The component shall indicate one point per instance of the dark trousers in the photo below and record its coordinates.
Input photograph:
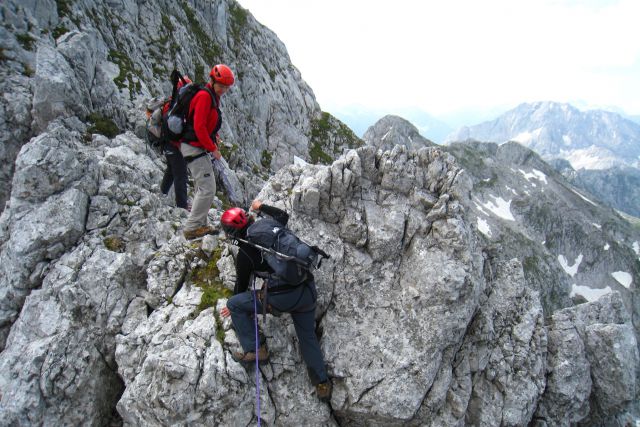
(300, 303)
(175, 174)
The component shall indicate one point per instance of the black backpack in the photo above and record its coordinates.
(176, 123)
(290, 258)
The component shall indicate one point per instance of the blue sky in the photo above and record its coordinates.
(444, 57)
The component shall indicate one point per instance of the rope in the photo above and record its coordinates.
(255, 317)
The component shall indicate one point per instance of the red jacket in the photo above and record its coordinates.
(205, 119)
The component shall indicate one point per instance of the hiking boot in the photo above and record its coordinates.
(323, 391)
(250, 357)
(199, 232)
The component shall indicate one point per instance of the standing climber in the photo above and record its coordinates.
(199, 142)
(297, 299)
(176, 171)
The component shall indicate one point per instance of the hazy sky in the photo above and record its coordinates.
(447, 55)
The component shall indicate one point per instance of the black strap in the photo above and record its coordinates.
(175, 77)
(190, 159)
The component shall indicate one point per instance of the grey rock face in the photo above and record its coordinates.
(66, 59)
(46, 215)
(392, 130)
(81, 225)
(55, 93)
(617, 187)
(419, 325)
(592, 364)
(500, 370)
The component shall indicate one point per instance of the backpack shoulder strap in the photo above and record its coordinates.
(214, 104)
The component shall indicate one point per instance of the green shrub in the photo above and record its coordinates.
(265, 160)
(59, 30)
(64, 7)
(238, 20)
(26, 40)
(210, 51)
(114, 243)
(102, 125)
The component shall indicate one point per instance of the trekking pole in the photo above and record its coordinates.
(255, 317)
(274, 252)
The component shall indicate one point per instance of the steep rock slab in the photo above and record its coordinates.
(46, 215)
(177, 366)
(498, 374)
(82, 223)
(593, 364)
(404, 264)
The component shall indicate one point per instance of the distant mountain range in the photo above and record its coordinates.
(594, 139)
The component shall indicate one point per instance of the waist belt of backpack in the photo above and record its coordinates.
(263, 296)
(190, 159)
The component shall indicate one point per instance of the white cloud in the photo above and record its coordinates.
(443, 56)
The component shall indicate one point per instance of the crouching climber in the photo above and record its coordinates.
(282, 294)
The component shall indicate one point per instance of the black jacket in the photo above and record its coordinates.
(249, 258)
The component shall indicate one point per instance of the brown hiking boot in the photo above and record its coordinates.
(199, 232)
(323, 391)
(250, 356)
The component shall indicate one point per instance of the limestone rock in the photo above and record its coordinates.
(393, 130)
(66, 288)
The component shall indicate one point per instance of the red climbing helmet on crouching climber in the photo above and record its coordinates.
(233, 220)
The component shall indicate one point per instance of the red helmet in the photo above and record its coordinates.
(233, 220)
(222, 74)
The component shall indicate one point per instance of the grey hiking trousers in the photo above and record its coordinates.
(204, 183)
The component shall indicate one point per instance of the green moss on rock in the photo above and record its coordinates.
(208, 279)
(114, 243)
(102, 125)
(328, 137)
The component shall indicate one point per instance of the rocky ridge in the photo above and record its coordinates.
(117, 318)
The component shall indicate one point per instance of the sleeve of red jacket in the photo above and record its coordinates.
(201, 113)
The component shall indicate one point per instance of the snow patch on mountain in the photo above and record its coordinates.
(526, 138)
(499, 207)
(584, 198)
(593, 139)
(534, 174)
(571, 270)
(590, 294)
(483, 227)
(624, 278)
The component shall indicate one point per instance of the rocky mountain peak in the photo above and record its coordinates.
(391, 130)
(592, 139)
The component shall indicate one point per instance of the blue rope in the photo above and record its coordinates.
(255, 312)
